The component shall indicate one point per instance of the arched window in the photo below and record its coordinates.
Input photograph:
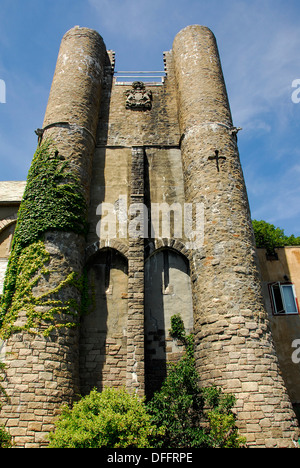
(103, 346)
(6, 236)
(167, 292)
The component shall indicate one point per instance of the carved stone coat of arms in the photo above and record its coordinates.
(138, 97)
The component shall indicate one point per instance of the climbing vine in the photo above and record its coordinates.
(52, 198)
(192, 416)
(52, 201)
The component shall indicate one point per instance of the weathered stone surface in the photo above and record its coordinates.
(70, 121)
(181, 149)
(205, 124)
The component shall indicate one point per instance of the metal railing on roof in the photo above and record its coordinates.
(145, 76)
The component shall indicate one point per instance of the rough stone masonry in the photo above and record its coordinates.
(172, 144)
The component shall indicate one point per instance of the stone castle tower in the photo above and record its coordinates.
(169, 231)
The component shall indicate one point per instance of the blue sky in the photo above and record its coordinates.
(259, 44)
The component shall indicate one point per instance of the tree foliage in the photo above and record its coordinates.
(270, 237)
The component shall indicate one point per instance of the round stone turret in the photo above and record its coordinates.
(231, 325)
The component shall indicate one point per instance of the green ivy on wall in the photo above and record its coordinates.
(52, 201)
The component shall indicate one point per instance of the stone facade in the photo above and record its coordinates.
(169, 232)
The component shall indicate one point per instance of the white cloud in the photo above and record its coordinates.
(260, 58)
(258, 40)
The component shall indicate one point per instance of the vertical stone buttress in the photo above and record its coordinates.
(135, 380)
(234, 347)
(42, 372)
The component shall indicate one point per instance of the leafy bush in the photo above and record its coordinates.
(223, 432)
(180, 415)
(111, 419)
(5, 438)
(194, 417)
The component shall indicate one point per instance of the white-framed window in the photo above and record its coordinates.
(283, 298)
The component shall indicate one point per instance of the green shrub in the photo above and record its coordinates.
(5, 438)
(180, 415)
(222, 431)
(111, 419)
(193, 417)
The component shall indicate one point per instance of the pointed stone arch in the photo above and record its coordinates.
(103, 331)
(115, 244)
(168, 292)
(4, 223)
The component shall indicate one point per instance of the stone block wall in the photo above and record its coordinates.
(172, 142)
(52, 361)
(39, 377)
